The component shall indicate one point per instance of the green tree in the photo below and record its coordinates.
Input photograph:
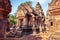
(12, 19)
(28, 2)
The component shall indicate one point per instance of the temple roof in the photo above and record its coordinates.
(54, 7)
(54, 4)
(38, 6)
(38, 9)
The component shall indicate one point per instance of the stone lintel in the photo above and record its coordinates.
(54, 11)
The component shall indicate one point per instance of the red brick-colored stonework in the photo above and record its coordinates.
(5, 9)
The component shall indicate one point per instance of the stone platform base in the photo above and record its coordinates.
(29, 37)
(10, 39)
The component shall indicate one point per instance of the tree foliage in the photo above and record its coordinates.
(28, 2)
(12, 19)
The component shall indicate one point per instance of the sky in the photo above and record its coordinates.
(16, 3)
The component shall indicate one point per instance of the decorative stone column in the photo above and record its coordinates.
(5, 9)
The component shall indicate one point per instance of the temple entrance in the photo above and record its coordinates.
(27, 31)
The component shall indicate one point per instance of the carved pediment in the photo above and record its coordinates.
(54, 2)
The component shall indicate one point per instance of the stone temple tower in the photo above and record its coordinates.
(53, 14)
(30, 19)
(39, 18)
(53, 19)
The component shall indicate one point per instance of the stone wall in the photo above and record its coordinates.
(5, 9)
